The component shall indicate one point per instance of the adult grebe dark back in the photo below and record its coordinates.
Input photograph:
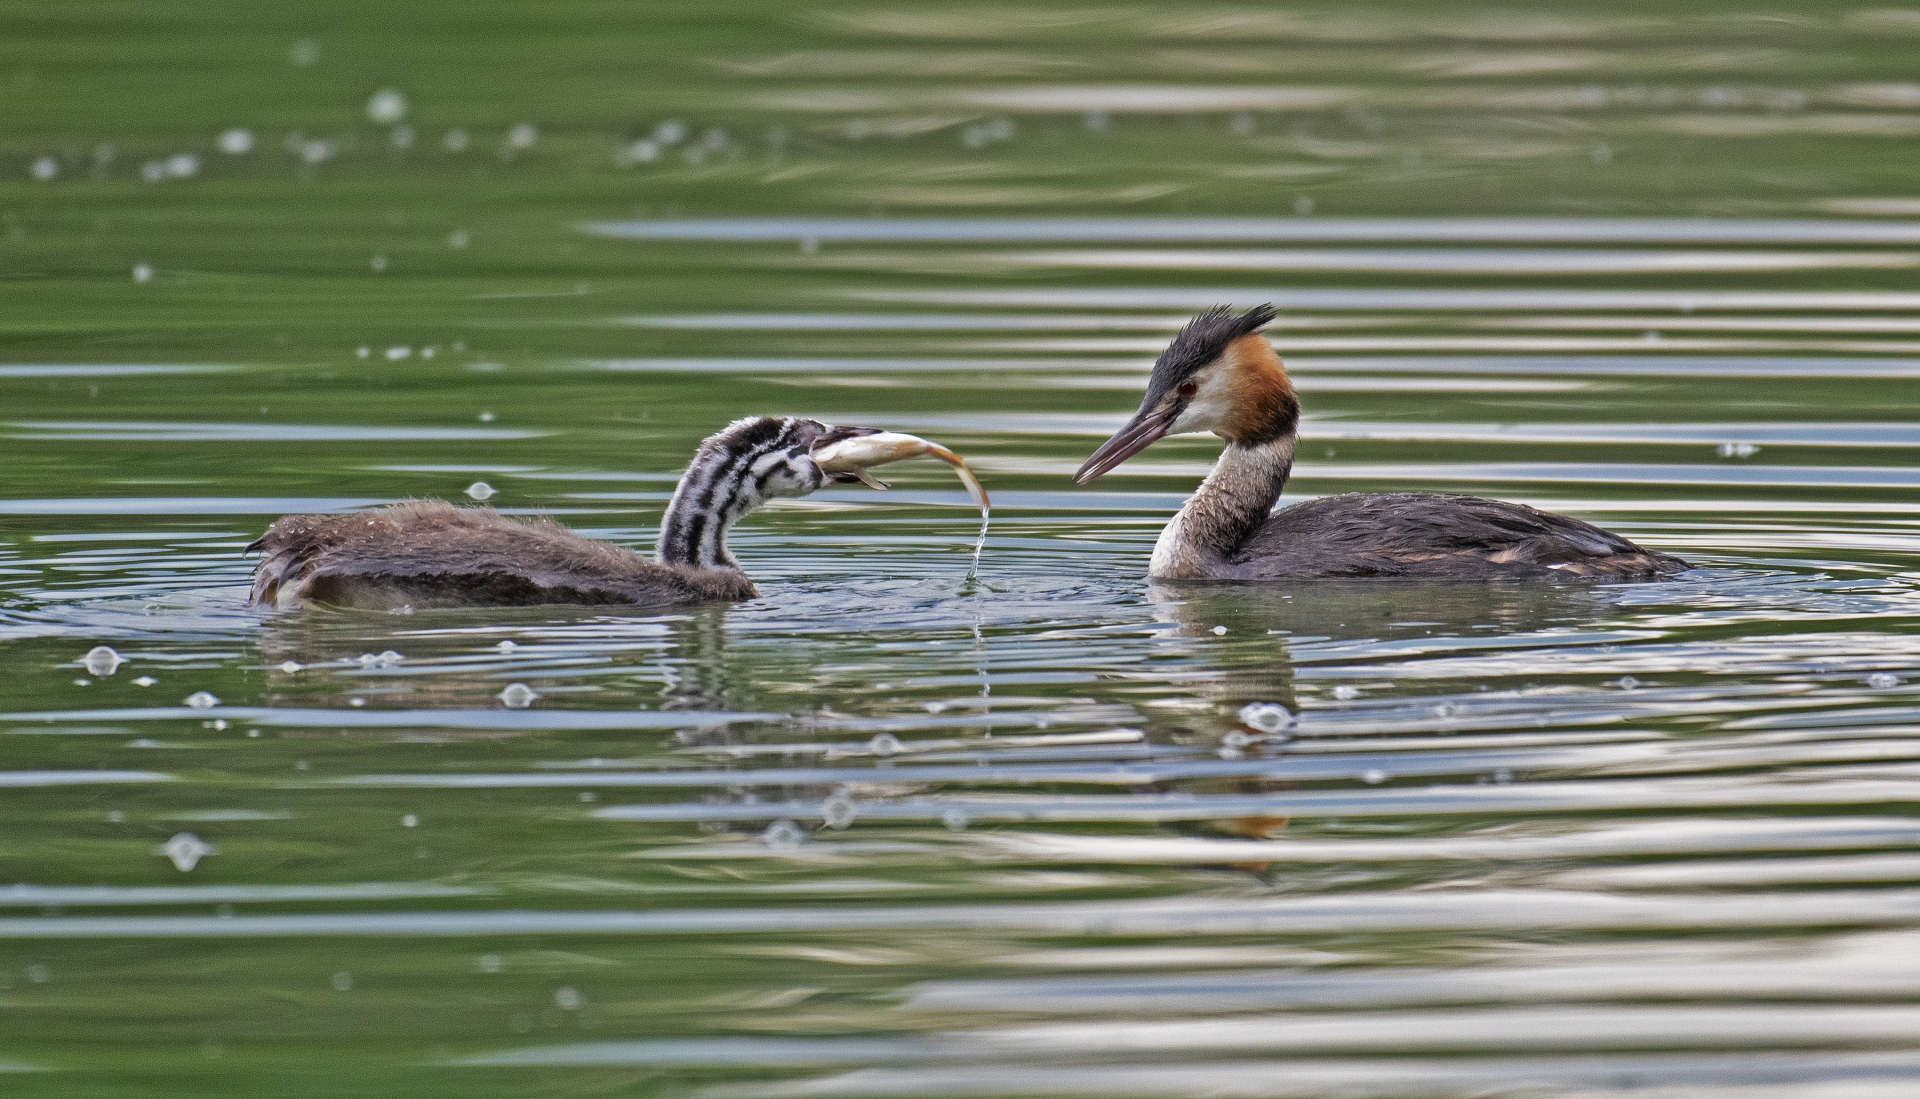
(1221, 375)
(426, 553)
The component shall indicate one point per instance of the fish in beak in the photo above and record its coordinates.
(847, 454)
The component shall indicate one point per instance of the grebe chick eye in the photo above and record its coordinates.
(427, 553)
(1221, 375)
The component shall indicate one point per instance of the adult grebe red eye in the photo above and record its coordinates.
(1189, 389)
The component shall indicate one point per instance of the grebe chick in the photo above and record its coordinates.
(1221, 375)
(430, 554)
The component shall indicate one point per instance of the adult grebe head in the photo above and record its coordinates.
(1220, 375)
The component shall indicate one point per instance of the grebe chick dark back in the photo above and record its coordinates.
(428, 554)
(1221, 375)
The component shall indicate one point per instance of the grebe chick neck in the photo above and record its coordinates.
(734, 472)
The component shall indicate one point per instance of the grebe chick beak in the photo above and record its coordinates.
(848, 457)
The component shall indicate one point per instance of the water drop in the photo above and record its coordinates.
(389, 657)
(398, 352)
(142, 272)
(480, 490)
(459, 238)
(1373, 776)
(290, 667)
(356, 703)
(837, 811)
(485, 417)
(1882, 681)
(640, 152)
(567, 998)
(518, 696)
(315, 152)
(342, 982)
(183, 165)
(401, 137)
(186, 850)
(362, 351)
(1219, 631)
(236, 142)
(387, 107)
(884, 744)
(218, 725)
(203, 700)
(409, 821)
(455, 141)
(45, 168)
(1266, 717)
(936, 707)
(304, 52)
(145, 681)
(102, 660)
(506, 646)
(783, 835)
(1628, 683)
(1346, 693)
(379, 263)
(670, 133)
(522, 136)
(153, 171)
(955, 820)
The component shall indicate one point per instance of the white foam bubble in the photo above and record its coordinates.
(518, 696)
(102, 660)
(45, 168)
(203, 700)
(236, 142)
(387, 106)
(186, 850)
(480, 490)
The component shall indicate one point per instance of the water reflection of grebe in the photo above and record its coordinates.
(1221, 375)
(427, 553)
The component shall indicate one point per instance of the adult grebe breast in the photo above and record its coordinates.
(1221, 375)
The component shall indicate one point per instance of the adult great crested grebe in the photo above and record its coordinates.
(1220, 375)
(429, 554)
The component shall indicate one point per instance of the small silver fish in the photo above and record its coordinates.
(854, 457)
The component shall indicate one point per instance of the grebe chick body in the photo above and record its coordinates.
(430, 554)
(1221, 375)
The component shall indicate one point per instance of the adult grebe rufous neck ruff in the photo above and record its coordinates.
(1221, 375)
(429, 554)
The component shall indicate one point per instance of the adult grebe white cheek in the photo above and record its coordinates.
(1210, 407)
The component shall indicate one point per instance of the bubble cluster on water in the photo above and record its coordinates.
(1266, 717)
(783, 835)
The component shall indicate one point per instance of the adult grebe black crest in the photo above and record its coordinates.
(427, 553)
(1221, 375)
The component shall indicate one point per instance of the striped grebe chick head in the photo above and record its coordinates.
(735, 471)
(1220, 375)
